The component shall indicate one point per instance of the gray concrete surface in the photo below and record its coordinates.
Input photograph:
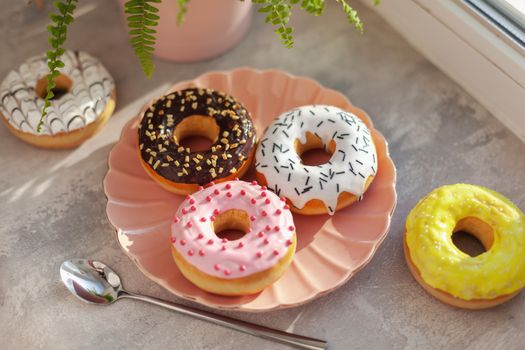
(52, 206)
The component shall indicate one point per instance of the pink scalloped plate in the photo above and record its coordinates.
(330, 250)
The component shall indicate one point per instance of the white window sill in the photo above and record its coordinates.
(481, 60)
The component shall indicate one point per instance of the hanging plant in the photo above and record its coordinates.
(143, 18)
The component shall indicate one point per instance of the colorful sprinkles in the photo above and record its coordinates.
(266, 241)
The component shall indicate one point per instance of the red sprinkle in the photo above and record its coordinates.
(259, 254)
(253, 201)
(266, 241)
(211, 183)
(189, 224)
(228, 186)
(254, 182)
(275, 252)
(263, 194)
(288, 242)
(283, 199)
(212, 218)
(228, 194)
(243, 192)
(223, 247)
(193, 208)
(216, 192)
(203, 219)
(267, 201)
(216, 212)
(253, 218)
(208, 198)
(240, 245)
(192, 201)
(188, 196)
(276, 228)
(278, 212)
(173, 239)
(224, 240)
(260, 234)
(190, 252)
(242, 268)
(200, 236)
(286, 206)
(217, 267)
(291, 228)
(210, 241)
(227, 272)
(201, 252)
(268, 228)
(263, 188)
(184, 211)
(200, 188)
(176, 219)
(264, 213)
(182, 242)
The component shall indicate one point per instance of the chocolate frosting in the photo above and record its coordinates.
(167, 158)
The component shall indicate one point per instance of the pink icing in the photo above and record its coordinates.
(270, 235)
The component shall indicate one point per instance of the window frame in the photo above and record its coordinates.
(496, 20)
(479, 58)
(510, 9)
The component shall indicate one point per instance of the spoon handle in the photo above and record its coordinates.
(295, 340)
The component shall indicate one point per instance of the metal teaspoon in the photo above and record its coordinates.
(95, 283)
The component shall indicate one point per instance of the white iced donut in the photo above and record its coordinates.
(85, 100)
(324, 188)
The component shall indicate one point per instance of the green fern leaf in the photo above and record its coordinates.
(351, 15)
(183, 8)
(315, 7)
(278, 13)
(57, 37)
(142, 19)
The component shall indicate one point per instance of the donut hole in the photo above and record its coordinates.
(63, 86)
(232, 224)
(196, 132)
(314, 151)
(473, 236)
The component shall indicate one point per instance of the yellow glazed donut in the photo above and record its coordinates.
(449, 274)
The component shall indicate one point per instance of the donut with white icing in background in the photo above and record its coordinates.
(87, 102)
(233, 267)
(324, 188)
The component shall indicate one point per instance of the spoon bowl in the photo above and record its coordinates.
(91, 281)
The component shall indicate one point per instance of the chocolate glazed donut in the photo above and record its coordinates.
(191, 112)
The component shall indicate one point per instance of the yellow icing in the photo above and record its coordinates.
(429, 228)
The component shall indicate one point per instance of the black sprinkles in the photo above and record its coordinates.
(352, 163)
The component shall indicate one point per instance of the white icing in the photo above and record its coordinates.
(352, 163)
(90, 92)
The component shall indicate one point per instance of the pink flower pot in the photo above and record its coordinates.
(210, 28)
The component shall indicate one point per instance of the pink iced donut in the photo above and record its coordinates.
(233, 267)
